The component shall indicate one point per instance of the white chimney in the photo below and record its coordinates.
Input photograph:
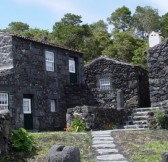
(154, 38)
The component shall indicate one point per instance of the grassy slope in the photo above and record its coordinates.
(45, 140)
(142, 146)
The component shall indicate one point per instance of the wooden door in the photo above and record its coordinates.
(28, 116)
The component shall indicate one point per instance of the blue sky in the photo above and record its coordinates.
(44, 13)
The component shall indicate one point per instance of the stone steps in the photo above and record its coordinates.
(106, 150)
(139, 118)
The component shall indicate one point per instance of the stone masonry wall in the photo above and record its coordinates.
(79, 95)
(158, 74)
(127, 79)
(6, 61)
(29, 77)
(98, 118)
(4, 132)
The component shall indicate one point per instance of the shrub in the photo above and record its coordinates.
(21, 141)
(159, 117)
(78, 125)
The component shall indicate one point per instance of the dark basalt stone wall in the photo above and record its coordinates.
(4, 133)
(98, 118)
(158, 74)
(130, 80)
(129, 86)
(6, 60)
(28, 76)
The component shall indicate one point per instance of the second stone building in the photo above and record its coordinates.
(116, 84)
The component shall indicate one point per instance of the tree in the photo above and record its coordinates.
(70, 32)
(145, 21)
(97, 41)
(38, 34)
(17, 27)
(71, 19)
(139, 57)
(126, 47)
(121, 19)
(164, 25)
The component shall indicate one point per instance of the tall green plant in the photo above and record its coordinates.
(78, 125)
(159, 117)
(21, 141)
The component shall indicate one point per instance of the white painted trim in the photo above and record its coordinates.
(29, 101)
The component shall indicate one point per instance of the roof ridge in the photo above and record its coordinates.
(42, 42)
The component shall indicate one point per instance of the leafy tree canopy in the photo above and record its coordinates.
(17, 27)
(126, 41)
(121, 19)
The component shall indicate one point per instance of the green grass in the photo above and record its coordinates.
(143, 146)
(45, 140)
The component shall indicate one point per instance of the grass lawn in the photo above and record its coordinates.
(46, 140)
(142, 146)
(138, 146)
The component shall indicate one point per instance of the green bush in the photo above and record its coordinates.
(159, 117)
(21, 141)
(78, 125)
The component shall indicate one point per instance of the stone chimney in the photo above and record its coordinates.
(154, 38)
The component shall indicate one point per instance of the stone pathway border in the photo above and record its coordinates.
(106, 150)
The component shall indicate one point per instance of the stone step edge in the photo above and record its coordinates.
(145, 109)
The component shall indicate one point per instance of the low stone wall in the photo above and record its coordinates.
(98, 118)
(4, 132)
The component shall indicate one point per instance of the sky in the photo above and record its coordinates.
(44, 13)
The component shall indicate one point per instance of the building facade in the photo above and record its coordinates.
(116, 84)
(32, 79)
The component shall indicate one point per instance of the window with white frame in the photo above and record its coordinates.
(3, 101)
(105, 84)
(26, 106)
(71, 65)
(49, 59)
(53, 105)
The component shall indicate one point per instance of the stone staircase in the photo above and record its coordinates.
(138, 119)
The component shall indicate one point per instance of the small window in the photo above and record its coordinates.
(53, 106)
(71, 65)
(3, 101)
(26, 106)
(49, 58)
(105, 84)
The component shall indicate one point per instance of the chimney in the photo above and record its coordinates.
(154, 38)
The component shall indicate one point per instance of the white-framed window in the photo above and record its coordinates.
(53, 105)
(71, 65)
(49, 59)
(27, 106)
(105, 84)
(3, 101)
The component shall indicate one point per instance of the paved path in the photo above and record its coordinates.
(106, 150)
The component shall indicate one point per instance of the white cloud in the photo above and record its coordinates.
(59, 8)
(161, 5)
(51, 5)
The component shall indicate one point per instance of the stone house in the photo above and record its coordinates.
(158, 74)
(33, 75)
(116, 84)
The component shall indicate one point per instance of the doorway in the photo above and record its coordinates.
(27, 111)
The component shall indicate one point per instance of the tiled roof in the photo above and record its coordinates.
(114, 61)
